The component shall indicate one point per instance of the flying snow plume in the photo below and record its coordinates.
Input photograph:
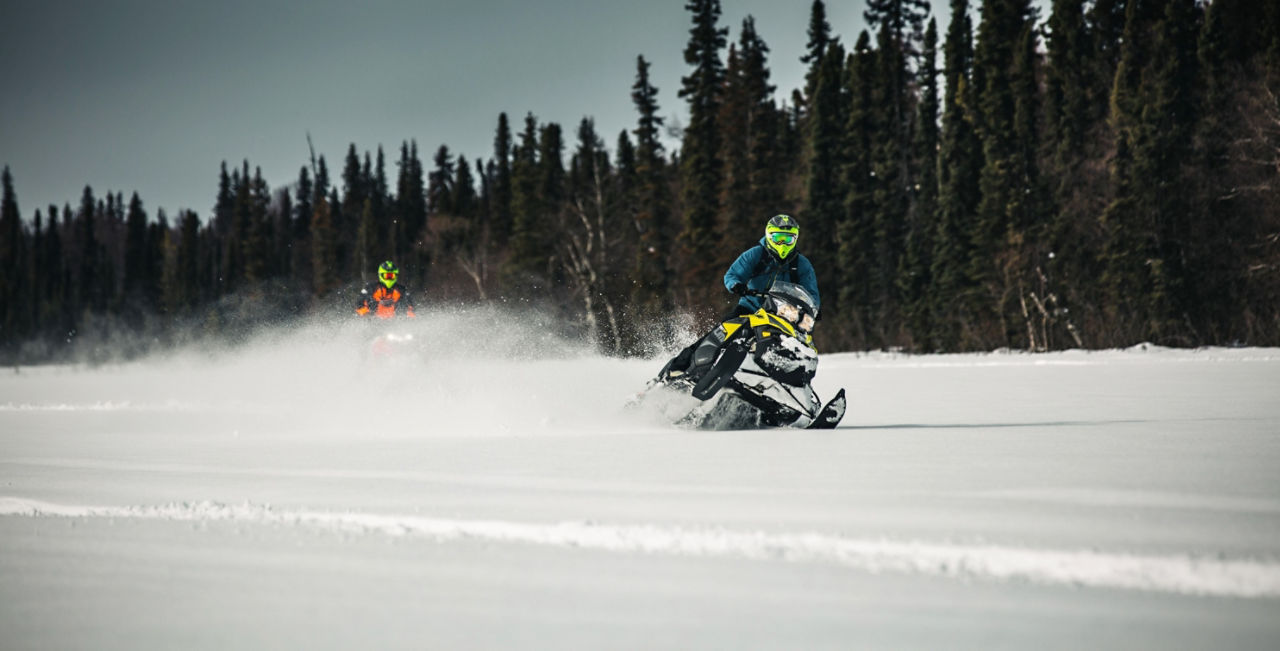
(456, 372)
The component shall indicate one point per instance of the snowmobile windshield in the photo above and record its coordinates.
(793, 294)
(793, 303)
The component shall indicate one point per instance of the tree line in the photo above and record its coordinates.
(1097, 177)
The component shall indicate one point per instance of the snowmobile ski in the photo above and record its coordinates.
(831, 413)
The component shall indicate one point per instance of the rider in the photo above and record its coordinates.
(388, 300)
(774, 258)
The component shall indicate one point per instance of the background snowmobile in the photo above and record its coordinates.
(755, 370)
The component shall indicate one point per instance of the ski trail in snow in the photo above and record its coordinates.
(1177, 574)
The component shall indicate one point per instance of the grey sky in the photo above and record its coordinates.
(153, 96)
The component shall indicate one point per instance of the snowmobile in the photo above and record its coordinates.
(752, 371)
(392, 345)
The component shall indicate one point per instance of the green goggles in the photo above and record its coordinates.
(784, 239)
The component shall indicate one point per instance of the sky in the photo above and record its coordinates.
(152, 96)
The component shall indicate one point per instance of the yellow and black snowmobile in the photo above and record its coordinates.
(753, 371)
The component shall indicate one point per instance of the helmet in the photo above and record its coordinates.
(780, 235)
(387, 273)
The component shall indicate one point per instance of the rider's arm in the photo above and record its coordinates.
(740, 270)
(362, 305)
(407, 300)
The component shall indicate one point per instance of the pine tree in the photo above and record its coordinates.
(1066, 95)
(369, 251)
(53, 282)
(753, 182)
(465, 201)
(1002, 78)
(466, 204)
(411, 201)
(701, 166)
(551, 176)
(137, 265)
(259, 236)
(819, 40)
(826, 146)
(474, 252)
(223, 230)
(501, 190)
(300, 251)
(899, 25)
(523, 269)
(440, 183)
(354, 190)
(653, 249)
(854, 229)
(90, 283)
(324, 236)
(735, 202)
(1152, 111)
(11, 266)
(959, 164)
(587, 236)
(914, 273)
(54, 313)
(1075, 137)
(902, 19)
(188, 272)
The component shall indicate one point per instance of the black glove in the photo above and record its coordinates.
(739, 289)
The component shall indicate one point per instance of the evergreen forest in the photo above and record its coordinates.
(1100, 176)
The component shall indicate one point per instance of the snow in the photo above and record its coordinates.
(493, 492)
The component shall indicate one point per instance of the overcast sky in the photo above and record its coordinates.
(152, 96)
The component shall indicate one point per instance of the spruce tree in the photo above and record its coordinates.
(369, 251)
(300, 220)
(411, 209)
(587, 237)
(652, 218)
(735, 203)
(90, 285)
(137, 265)
(259, 236)
(188, 273)
(465, 201)
(914, 278)
(753, 181)
(440, 183)
(898, 25)
(701, 166)
(324, 236)
(1152, 111)
(959, 165)
(1002, 78)
(11, 263)
(551, 178)
(854, 233)
(524, 266)
(54, 315)
(354, 190)
(820, 39)
(501, 190)
(825, 144)
(1069, 119)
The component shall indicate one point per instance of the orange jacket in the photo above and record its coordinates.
(384, 303)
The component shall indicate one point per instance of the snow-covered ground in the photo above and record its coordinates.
(492, 492)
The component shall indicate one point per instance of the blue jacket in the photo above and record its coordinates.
(757, 269)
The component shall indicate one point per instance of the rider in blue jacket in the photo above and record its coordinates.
(774, 258)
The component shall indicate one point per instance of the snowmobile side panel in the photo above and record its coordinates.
(720, 374)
